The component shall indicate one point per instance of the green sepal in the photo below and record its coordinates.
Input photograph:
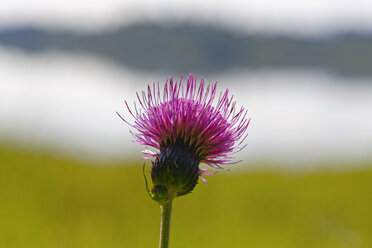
(146, 183)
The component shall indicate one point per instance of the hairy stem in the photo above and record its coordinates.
(166, 212)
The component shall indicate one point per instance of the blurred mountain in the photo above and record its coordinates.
(186, 48)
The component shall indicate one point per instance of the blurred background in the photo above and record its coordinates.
(71, 177)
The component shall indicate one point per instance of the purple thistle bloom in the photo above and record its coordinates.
(188, 129)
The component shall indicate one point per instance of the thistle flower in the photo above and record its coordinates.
(187, 129)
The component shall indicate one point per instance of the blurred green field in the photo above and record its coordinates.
(51, 202)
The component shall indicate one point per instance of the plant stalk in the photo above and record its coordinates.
(166, 212)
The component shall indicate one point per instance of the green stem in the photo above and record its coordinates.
(166, 212)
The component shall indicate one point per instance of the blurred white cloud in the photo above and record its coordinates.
(299, 17)
(68, 102)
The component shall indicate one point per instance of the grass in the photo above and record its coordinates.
(51, 202)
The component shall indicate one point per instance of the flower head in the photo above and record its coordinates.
(187, 128)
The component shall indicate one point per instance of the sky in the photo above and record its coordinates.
(303, 17)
